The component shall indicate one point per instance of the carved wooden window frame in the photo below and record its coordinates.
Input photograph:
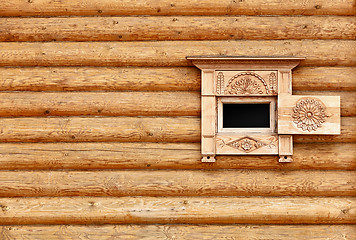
(249, 79)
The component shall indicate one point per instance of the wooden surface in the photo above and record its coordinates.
(180, 232)
(169, 53)
(122, 129)
(176, 28)
(153, 79)
(22, 156)
(125, 103)
(230, 144)
(129, 129)
(100, 104)
(177, 183)
(324, 78)
(94, 109)
(348, 133)
(174, 7)
(188, 210)
(324, 114)
(348, 99)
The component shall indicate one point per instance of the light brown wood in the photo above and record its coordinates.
(227, 81)
(123, 103)
(348, 99)
(324, 78)
(176, 28)
(99, 79)
(101, 129)
(100, 103)
(180, 232)
(308, 114)
(208, 116)
(22, 156)
(348, 133)
(246, 144)
(153, 79)
(208, 128)
(285, 147)
(202, 210)
(177, 183)
(129, 129)
(169, 53)
(173, 7)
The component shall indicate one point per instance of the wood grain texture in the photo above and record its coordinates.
(17, 104)
(100, 104)
(14, 156)
(348, 99)
(174, 7)
(291, 123)
(129, 129)
(177, 183)
(176, 28)
(187, 210)
(348, 133)
(180, 232)
(171, 53)
(152, 79)
(100, 129)
(324, 78)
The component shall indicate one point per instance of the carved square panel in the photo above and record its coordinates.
(246, 83)
(308, 114)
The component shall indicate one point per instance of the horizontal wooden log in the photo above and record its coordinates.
(153, 79)
(180, 232)
(334, 156)
(129, 129)
(177, 183)
(187, 210)
(176, 28)
(174, 7)
(171, 53)
(101, 103)
(124, 103)
(122, 129)
(323, 78)
(110, 79)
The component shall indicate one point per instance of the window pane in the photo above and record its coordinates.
(246, 115)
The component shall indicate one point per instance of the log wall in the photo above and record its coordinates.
(100, 121)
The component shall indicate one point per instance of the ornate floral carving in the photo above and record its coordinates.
(220, 83)
(309, 114)
(246, 83)
(246, 144)
(273, 83)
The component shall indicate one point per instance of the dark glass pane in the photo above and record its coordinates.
(246, 116)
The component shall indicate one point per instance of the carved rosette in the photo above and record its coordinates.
(309, 114)
(246, 144)
(245, 84)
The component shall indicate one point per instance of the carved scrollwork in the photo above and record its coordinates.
(309, 114)
(246, 83)
(246, 144)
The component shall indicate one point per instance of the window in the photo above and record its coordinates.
(247, 114)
